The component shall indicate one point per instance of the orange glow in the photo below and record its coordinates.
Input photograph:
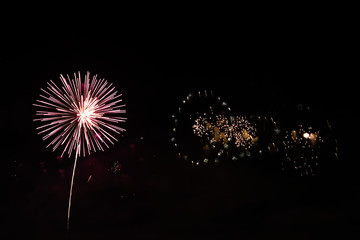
(245, 134)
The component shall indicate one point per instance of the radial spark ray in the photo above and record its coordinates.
(80, 116)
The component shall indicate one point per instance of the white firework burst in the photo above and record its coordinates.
(80, 116)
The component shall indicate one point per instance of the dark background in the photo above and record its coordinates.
(264, 70)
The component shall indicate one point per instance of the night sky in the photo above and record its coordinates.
(264, 71)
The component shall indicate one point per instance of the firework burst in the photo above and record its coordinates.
(243, 131)
(79, 116)
(200, 114)
(301, 147)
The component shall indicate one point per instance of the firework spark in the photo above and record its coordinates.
(79, 116)
(244, 132)
(225, 129)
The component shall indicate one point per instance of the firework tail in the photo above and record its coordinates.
(70, 194)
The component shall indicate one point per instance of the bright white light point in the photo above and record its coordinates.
(306, 135)
(86, 115)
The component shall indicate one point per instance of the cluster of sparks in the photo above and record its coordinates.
(223, 135)
(202, 127)
(301, 150)
(224, 129)
(243, 132)
(81, 116)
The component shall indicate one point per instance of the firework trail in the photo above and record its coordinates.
(79, 116)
